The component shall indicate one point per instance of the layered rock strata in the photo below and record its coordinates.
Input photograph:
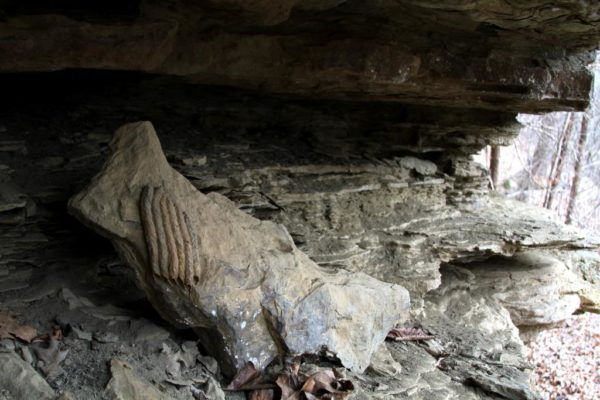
(395, 208)
(468, 53)
(356, 135)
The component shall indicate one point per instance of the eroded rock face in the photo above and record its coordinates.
(472, 317)
(535, 288)
(476, 341)
(241, 282)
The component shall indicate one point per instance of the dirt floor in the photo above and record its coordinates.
(94, 332)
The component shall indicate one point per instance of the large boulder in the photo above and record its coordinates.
(241, 283)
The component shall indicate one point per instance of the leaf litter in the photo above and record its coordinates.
(11, 329)
(292, 384)
(400, 334)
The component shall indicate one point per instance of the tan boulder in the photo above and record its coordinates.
(240, 282)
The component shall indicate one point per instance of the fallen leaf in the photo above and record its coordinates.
(245, 375)
(10, 328)
(262, 394)
(326, 385)
(25, 332)
(290, 382)
(290, 390)
(408, 334)
(320, 381)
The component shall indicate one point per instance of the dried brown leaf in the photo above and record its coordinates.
(408, 334)
(325, 384)
(57, 333)
(294, 368)
(245, 375)
(289, 389)
(290, 383)
(10, 328)
(320, 381)
(25, 333)
(296, 379)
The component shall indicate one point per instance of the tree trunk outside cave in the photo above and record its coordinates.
(559, 161)
(494, 166)
(577, 169)
(540, 164)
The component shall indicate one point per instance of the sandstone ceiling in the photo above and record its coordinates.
(499, 54)
(351, 123)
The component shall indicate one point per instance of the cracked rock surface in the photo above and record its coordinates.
(240, 281)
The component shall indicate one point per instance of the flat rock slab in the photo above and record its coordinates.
(535, 288)
(21, 380)
(126, 384)
(240, 282)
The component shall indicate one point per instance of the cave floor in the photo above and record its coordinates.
(100, 316)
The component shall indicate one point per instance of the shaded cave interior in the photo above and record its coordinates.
(333, 158)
